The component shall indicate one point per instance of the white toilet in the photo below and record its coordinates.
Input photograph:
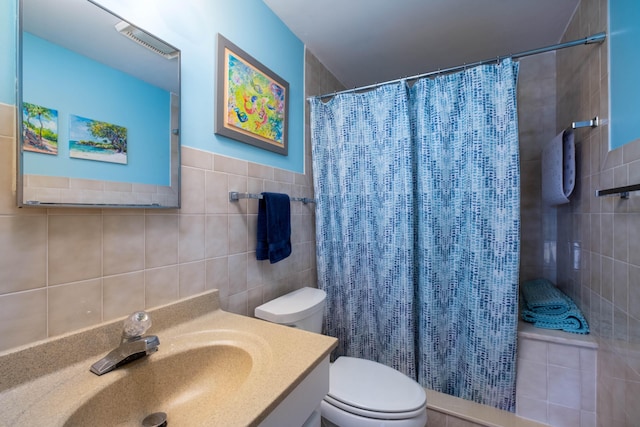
(362, 393)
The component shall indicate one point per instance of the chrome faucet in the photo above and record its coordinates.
(133, 345)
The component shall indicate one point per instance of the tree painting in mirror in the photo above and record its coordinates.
(40, 127)
(94, 140)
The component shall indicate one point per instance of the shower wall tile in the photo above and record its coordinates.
(607, 289)
(536, 124)
(64, 269)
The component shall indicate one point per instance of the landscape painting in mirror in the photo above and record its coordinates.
(95, 140)
(39, 129)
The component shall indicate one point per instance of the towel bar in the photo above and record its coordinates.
(593, 123)
(623, 191)
(234, 196)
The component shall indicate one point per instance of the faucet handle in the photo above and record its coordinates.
(136, 325)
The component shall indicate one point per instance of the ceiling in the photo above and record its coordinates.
(87, 29)
(371, 41)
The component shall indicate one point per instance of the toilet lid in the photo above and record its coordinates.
(292, 307)
(373, 387)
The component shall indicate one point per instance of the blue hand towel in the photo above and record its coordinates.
(274, 227)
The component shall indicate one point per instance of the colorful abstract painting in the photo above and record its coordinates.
(94, 140)
(39, 129)
(254, 100)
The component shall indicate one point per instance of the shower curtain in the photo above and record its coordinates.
(417, 228)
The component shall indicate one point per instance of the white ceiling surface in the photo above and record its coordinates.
(89, 30)
(364, 42)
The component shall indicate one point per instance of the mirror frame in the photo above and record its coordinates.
(95, 193)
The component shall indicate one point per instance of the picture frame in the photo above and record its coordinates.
(96, 140)
(39, 129)
(252, 104)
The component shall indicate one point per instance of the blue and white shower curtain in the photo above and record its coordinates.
(362, 154)
(417, 228)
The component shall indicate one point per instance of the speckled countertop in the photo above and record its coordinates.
(45, 383)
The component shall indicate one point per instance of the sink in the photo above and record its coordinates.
(212, 368)
(179, 383)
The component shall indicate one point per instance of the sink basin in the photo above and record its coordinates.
(212, 368)
(179, 383)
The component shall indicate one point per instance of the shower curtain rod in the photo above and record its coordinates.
(595, 38)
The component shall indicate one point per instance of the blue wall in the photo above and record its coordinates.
(8, 52)
(60, 79)
(624, 62)
(192, 27)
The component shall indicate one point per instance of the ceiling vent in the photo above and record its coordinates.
(146, 40)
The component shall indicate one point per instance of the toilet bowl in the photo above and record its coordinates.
(362, 393)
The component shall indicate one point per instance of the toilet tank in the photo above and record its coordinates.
(302, 309)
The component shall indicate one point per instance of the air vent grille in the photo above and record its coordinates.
(146, 40)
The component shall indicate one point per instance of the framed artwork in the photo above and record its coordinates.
(93, 140)
(252, 103)
(40, 129)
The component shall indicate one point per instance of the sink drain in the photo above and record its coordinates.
(157, 419)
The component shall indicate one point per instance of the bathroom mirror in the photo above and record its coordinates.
(98, 109)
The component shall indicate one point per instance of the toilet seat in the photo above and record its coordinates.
(373, 390)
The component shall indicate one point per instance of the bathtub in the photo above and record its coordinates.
(444, 410)
(556, 386)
